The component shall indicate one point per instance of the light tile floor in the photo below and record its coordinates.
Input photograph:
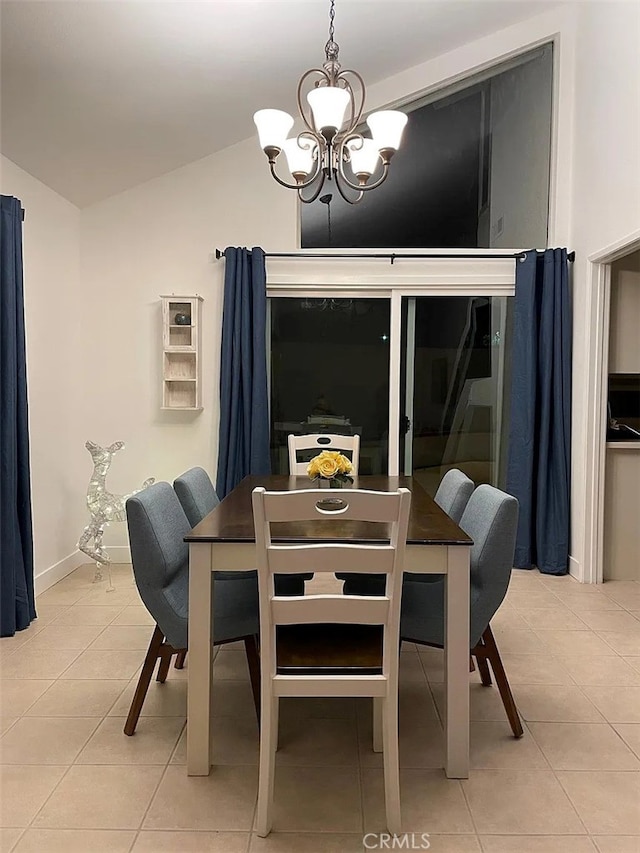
(70, 779)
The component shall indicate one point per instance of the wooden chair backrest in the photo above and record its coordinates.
(320, 442)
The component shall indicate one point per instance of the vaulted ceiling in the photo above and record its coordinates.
(100, 96)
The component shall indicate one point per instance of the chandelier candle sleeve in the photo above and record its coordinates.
(331, 146)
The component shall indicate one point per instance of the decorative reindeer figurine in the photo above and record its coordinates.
(103, 506)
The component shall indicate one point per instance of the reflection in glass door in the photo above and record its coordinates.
(330, 373)
(454, 389)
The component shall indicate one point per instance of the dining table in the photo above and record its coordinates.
(225, 540)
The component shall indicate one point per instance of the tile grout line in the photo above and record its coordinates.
(152, 798)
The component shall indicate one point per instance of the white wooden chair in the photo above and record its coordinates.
(320, 442)
(330, 645)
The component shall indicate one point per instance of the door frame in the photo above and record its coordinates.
(597, 346)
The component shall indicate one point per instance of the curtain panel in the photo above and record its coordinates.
(539, 461)
(243, 446)
(17, 603)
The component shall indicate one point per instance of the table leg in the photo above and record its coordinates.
(456, 663)
(199, 666)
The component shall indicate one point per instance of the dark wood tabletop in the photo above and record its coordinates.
(232, 519)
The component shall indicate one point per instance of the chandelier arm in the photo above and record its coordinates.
(381, 179)
(315, 194)
(338, 183)
(356, 116)
(305, 134)
(285, 183)
(322, 73)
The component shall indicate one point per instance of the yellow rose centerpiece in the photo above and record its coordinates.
(332, 466)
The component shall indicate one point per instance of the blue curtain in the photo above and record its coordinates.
(17, 604)
(243, 446)
(538, 471)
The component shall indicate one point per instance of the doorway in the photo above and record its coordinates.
(595, 456)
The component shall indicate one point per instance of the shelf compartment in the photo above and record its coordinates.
(180, 394)
(180, 366)
(180, 336)
(178, 307)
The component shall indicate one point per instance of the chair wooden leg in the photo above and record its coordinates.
(391, 761)
(483, 667)
(165, 663)
(472, 666)
(268, 741)
(180, 659)
(253, 661)
(153, 654)
(501, 681)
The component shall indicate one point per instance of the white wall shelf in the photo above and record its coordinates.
(181, 368)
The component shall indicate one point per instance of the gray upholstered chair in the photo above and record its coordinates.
(198, 497)
(453, 493)
(160, 557)
(452, 496)
(196, 494)
(490, 519)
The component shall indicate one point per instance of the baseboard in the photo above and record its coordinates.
(55, 573)
(119, 553)
(575, 569)
(60, 570)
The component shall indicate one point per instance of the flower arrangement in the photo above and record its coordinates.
(332, 466)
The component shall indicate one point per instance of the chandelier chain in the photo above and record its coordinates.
(331, 48)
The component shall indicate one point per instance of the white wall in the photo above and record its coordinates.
(56, 352)
(606, 186)
(158, 238)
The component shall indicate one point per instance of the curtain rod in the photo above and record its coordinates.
(392, 256)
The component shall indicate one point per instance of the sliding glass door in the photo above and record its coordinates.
(330, 373)
(424, 383)
(453, 395)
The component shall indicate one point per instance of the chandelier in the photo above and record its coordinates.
(330, 147)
